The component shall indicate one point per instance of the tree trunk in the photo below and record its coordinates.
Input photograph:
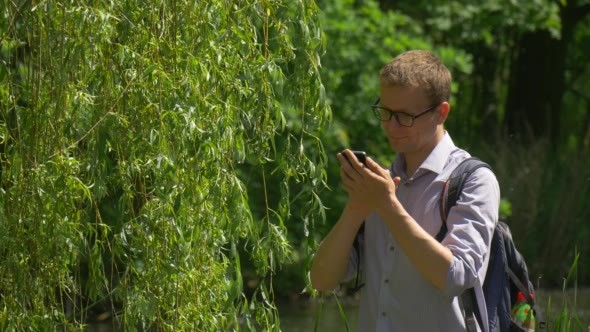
(537, 85)
(484, 95)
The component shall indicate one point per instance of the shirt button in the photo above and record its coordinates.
(391, 248)
(383, 314)
(386, 281)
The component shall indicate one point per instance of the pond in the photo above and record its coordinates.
(303, 316)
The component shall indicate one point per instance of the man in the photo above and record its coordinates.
(412, 282)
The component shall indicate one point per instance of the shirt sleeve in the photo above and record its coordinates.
(470, 229)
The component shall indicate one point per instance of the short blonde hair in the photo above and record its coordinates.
(422, 69)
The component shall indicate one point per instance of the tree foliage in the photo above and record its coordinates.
(125, 136)
(516, 104)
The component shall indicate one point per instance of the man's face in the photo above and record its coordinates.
(426, 130)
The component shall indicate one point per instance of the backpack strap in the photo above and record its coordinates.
(356, 244)
(450, 195)
(519, 264)
(469, 302)
(452, 190)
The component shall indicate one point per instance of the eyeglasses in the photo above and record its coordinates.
(402, 118)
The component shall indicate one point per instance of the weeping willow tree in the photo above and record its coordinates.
(127, 135)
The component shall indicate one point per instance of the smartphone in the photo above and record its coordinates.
(360, 155)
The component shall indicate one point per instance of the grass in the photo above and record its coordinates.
(568, 315)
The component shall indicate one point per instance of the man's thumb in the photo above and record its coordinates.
(397, 180)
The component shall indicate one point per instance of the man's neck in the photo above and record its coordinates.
(415, 159)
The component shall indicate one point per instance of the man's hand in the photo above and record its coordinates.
(369, 187)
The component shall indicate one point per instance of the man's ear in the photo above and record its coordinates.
(443, 112)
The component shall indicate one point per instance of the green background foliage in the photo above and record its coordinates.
(174, 164)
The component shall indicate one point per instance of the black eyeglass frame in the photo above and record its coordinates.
(377, 111)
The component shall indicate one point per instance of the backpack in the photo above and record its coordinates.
(507, 273)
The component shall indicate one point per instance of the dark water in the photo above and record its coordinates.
(316, 315)
(303, 316)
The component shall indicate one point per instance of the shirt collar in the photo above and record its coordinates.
(435, 161)
(438, 158)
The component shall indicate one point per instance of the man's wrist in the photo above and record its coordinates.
(391, 209)
(356, 213)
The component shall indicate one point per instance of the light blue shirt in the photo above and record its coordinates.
(396, 297)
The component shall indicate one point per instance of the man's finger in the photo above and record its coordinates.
(396, 181)
(374, 167)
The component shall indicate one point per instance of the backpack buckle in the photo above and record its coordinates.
(471, 323)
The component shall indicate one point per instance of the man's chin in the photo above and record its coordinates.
(398, 146)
